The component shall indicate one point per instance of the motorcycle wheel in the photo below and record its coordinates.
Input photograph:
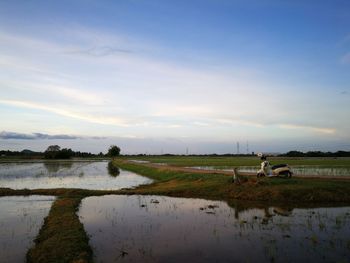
(286, 174)
(260, 175)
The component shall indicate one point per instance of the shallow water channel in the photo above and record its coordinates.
(67, 174)
(165, 229)
(307, 170)
(20, 221)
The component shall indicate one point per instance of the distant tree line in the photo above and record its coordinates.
(56, 152)
(316, 154)
(194, 155)
(24, 153)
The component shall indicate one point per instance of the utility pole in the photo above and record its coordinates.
(237, 147)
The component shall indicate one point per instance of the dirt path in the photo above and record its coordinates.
(227, 173)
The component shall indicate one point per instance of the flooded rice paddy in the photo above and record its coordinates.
(307, 170)
(164, 229)
(20, 221)
(67, 174)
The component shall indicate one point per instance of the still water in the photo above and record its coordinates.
(165, 229)
(20, 221)
(63, 174)
(307, 170)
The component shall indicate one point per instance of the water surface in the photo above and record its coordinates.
(307, 170)
(67, 174)
(164, 229)
(20, 221)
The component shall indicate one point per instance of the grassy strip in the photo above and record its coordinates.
(62, 238)
(216, 186)
(240, 161)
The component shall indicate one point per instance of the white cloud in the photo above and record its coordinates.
(85, 76)
(57, 110)
(240, 122)
(308, 128)
(80, 95)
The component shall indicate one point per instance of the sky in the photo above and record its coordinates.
(160, 76)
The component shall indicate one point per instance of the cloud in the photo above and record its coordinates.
(35, 136)
(143, 92)
(6, 135)
(346, 58)
(310, 128)
(232, 121)
(99, 51)
(98, 137)
(82, 96)
(89, 118)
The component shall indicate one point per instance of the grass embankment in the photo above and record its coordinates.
(62, 238)
(216, 186)
(225, 161)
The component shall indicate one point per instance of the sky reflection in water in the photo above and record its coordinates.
(164, 229)
(67, 174)
(20, 220)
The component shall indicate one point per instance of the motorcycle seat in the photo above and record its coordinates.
(278, 166)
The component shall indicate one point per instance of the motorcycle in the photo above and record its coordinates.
(282, 170)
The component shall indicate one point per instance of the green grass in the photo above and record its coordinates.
(62, 238)
(239, 161)
(217, 186)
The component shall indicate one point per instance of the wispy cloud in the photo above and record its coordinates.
(89, 118)
(35, 136)
(232, 121)
(7, 135)
(99, 51)
(99, 78)
(308, 128)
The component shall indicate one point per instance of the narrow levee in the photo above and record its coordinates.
(62, 238)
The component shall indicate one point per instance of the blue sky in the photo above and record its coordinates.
(163, 76)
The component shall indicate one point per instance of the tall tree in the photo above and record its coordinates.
(113, 151)
(52, 152)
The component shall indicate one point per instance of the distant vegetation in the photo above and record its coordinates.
(288, 154)
(113, 151)
(55, 152)
(52, 152)
(24, 153)
(316, 154)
